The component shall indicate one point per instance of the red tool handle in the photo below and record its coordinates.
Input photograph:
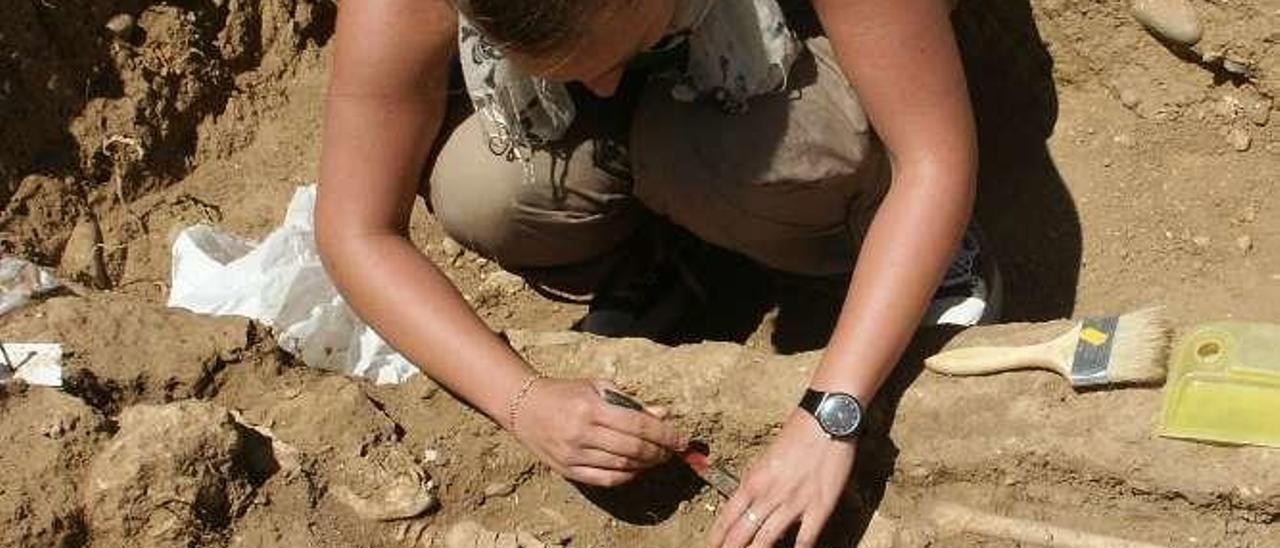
(715, 475)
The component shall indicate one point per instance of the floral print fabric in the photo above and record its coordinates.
(737, 49)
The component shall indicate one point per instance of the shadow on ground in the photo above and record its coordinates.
(649, 500)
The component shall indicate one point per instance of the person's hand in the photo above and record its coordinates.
(799, 478)
(570, 427)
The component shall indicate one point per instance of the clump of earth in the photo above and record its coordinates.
(1119, 170)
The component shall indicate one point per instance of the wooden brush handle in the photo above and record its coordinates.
(954, 519)
(985, 360)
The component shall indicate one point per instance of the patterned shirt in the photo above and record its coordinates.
(737, 49)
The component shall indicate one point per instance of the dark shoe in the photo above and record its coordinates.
(971, 292)
(649, 295)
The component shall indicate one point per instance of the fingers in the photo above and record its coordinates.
(810, 526)
(749, 524)
(623, 445)
(597, 476)
(729, 514)
(588, 440)
(647, 424)
(774, 527)
(639, 425)
(595, 458)
(656, 410)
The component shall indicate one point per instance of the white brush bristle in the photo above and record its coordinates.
(1141, 350)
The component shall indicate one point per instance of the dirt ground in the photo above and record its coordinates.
(1118, 171)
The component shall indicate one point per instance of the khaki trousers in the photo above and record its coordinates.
(791, 183)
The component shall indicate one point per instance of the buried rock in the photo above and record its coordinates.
(48, 439)
(469, 534)
(352, 445)
(1174, 21)
(82, 259)
(386, 486)
(173, 475)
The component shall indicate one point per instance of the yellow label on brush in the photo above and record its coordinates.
(1093, 336)
(1093, 351)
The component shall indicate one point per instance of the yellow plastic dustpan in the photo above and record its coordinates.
(1224, 385)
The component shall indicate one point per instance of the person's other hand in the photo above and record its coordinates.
(799, 478)
(570, 427)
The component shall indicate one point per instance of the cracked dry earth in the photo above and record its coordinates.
(1115, 175)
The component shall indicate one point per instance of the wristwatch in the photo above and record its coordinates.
(839, 414)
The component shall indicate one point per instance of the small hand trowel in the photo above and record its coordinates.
(1224, 385)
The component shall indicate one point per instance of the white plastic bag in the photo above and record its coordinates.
(36, 363)
(281, 283)
(20, 281)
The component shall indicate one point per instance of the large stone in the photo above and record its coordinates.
(354, 445)
(82, 257)
(1173, 21)
(173, 474)
(385, 485)
(47, 438)
(121, 351)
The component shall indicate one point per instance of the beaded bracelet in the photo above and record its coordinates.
(513, 406)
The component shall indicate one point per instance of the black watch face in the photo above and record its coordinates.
(839, 415)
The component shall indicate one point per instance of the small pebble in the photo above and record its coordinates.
(1239, 139)
(1129, 98)
(498, 489)
(1259, 111)
(1124, 139)
(1244, 244)
(1201, 241)
(121, 25)
(55, 430)
(918, 473)
(506, 540)
(1229, 107)
(564, 536)
(1248, 214)
(451, 248)
(467, 534)
(526, 539)
(502, 282)
(1171, 20)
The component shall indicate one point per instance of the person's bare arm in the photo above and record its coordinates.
(902, 58)
(384, 108)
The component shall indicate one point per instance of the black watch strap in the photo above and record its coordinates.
(811, 399)
(814, 399)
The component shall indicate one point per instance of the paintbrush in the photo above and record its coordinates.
(723, 481)
(1128, 349)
